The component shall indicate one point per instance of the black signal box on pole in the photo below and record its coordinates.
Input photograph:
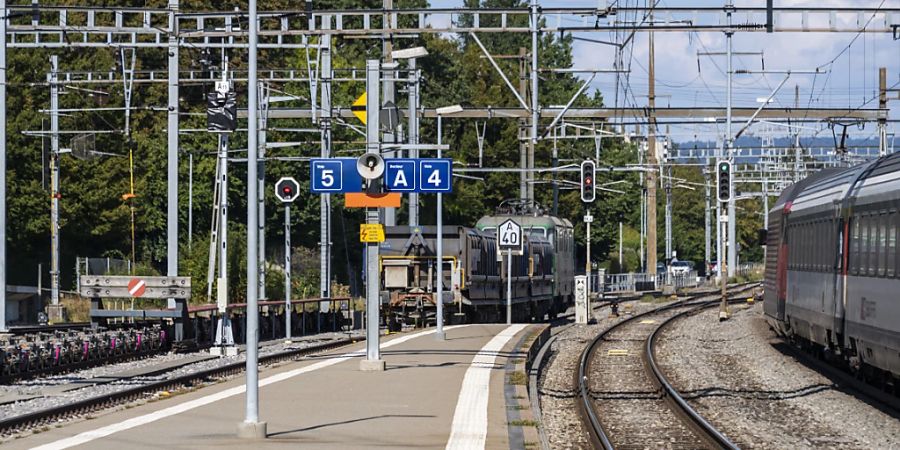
(723, 188)
(588, 181)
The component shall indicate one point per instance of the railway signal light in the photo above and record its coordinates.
(588, 185)
(287, 189)
(723, 170)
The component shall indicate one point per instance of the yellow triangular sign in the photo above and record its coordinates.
(359, 108)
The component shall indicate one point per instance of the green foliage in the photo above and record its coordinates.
(96, 221)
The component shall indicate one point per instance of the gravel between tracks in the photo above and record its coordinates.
(37, 385)
(759, 397)
(557, 388)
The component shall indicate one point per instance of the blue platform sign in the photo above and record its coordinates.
(434, 175)
(400, 175)
(423, 175)
(331, 175)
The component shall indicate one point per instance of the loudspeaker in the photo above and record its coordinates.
(370, 166)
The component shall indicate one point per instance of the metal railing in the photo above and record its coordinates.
(642, 282)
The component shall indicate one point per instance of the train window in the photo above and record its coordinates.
(872, 253)
(812, 249)
(804, 245)
(854, 246)
(863, 246)
(882, 244)
(891, 243)
(803, 231)
(822, 245)
(868, 244)
(817, 246)
(792, 247)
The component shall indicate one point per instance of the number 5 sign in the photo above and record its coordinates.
(334, 175)
(327, 176)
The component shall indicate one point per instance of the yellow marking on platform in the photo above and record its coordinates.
(617, 352)
(647, 321)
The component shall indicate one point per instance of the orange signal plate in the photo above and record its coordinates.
(363, 200)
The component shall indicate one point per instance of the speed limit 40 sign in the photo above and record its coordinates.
(509, 236)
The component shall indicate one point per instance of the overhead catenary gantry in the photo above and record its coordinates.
(40, 26)
(47, 26)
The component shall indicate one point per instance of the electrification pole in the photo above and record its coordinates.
(651, 160)
(54, 182)
(325, 199)
(172, 150)
(3, 169)
(729, 140)
(535, 109)
(390, 135)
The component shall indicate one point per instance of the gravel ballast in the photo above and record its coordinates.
(557, 388)
(759, 397)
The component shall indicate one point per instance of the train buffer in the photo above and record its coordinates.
(434, 394)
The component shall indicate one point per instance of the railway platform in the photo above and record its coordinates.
(458, 393)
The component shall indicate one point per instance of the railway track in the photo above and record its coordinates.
(625, 400)
(19, 423)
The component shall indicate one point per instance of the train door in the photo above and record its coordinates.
(781, 268)
(849, 231)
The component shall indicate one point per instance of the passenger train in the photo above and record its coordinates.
(833, 267)
(473, 276)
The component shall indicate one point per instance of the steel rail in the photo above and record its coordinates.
(681, 406)
(585, 406)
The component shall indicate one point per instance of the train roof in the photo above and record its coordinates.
(526, 221)
(879, 181)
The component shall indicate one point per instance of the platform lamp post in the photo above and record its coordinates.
(439, 292)
(411, 54)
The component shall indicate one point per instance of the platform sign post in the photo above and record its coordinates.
(373, 361)
(509, 236)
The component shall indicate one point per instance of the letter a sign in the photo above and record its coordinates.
(400, 175)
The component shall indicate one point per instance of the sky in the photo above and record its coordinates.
(849, 78)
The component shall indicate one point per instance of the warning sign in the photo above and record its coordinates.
(359, 108)
(371, 232)
(137, 287)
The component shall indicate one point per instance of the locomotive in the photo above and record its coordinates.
(473, 278)
(833, 269)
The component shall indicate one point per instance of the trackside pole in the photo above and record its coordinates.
(3, 168)
(287, 272)
(723, 276)
(251, 427)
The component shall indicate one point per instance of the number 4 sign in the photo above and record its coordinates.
(434, 175)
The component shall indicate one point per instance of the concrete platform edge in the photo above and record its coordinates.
(518, 405)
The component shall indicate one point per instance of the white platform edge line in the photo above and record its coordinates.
(469, 429)
(92, 435)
